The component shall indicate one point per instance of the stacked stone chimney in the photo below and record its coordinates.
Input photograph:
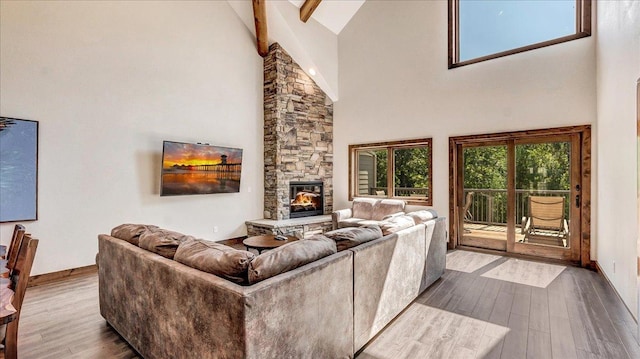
(298, 133)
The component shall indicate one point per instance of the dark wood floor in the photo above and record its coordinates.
(577, 316)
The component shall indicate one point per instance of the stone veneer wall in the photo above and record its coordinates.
(298, 133)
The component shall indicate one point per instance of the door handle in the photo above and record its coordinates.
(577, 201)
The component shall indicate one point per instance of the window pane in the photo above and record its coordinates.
(411, 177)
(372, 172)
(489, 27)
(392, 169)
(485, 189)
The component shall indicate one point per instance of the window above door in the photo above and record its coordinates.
(480, 30)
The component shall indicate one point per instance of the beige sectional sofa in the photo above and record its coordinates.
(328, 308)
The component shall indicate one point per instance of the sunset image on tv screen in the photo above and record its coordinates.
(190, 168)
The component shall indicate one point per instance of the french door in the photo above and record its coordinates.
(522, 192)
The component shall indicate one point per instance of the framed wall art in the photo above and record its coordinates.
(18, 170)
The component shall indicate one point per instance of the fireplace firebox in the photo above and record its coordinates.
(306, 199)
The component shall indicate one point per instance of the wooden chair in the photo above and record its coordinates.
(468, 201)
(14, 246)
(546, 219)
(19, 278)
(468, 217)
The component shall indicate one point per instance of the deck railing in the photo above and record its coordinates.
(489, 206)
(402, 191)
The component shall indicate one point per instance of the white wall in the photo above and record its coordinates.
(310, 44)
(394, 84)
(618, 69)
(108, 81)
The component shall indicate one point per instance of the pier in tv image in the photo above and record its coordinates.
(194, 168)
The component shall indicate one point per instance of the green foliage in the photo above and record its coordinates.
(542, 166)
(485, 167)
(411, 167)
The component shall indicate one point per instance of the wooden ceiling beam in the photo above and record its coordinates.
(260, 19)
(308, 8)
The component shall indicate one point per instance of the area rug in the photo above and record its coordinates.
(468, 262)
(525, 272)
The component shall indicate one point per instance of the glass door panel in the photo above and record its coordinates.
(543, 193)
(548, 197)
(484, 217)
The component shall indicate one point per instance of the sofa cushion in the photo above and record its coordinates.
(389, 216)
(386, 207)
(215, 258)
(162, 241)
(369, 222)
(350, 222)
(131, 232)
(290, 256)
(423, 215)
(396, 224)
(363, 207)
(350, 237)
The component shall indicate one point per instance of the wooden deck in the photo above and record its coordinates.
(495, 237)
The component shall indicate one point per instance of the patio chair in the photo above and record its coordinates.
(467, 213)
(546, 219)
(468, 217)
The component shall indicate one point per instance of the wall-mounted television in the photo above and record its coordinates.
(197, 168)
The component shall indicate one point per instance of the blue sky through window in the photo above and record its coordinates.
(491, 26)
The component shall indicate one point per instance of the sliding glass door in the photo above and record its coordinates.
(520, 193)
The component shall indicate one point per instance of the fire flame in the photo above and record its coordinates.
(305, 199)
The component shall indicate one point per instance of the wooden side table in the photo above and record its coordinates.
(264, 242)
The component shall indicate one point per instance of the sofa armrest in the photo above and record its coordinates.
(340, 215)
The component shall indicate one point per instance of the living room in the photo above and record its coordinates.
(109, 81)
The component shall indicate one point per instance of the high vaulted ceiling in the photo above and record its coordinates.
(333, 14)
(312, 44)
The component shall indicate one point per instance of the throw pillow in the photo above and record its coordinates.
(290, 256)
(162, 241)
(131, 232)
(215, 258)
(423, 215)
(352, 236)
(396, 224)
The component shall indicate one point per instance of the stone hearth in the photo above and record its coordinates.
(298, 133)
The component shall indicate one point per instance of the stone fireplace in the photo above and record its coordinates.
(298, 136)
